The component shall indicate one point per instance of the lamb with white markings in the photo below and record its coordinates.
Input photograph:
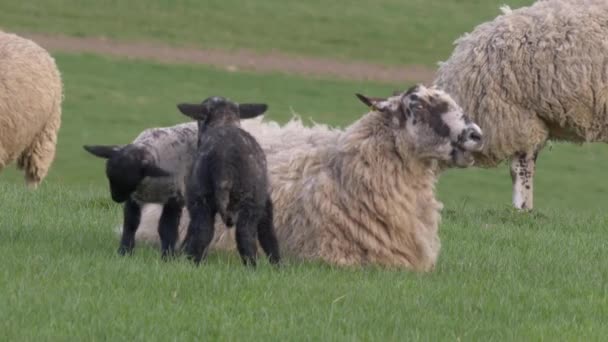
(531, 75)
(31, 93)
(229, 177)
(364, 195)
(152, 169)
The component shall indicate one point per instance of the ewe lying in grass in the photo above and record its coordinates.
(364, 195)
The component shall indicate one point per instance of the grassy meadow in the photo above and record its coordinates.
(502, 275)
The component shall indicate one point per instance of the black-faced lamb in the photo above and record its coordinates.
(151, 169)
(532, 75)
(363, 195)
(228, 177)
(31, 93)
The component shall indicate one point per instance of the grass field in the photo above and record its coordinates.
(502, 275)
(386, 31)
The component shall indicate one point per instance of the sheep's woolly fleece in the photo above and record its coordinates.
(30, 107)
(533, 74)
(362, 216)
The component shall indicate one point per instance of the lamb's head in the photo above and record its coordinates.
(126, 167)
(431, 123)
(219, 111)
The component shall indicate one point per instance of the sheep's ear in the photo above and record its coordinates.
(195, 111)
(374, 103)
(251, 110)
(103, 151)
(155, 171)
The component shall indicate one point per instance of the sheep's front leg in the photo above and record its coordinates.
(132, 217)
(168, 225)
(522, 175)
(200, 231)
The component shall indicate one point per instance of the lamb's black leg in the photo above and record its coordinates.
(200, 231)
(267, 236)
(132, 216)
(168, 225)
(246, 231)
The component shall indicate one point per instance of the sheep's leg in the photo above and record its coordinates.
(132, 217)
(246, 235)
(522, 175)
(200, 231)
(267, 236)
(168, 225)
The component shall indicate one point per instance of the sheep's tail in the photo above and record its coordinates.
(37, 158)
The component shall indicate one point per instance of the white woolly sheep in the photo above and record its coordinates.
(364, 195)
(531, 75)
(229, 176)
(31, 93)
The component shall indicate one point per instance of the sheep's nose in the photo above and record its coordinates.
(473, 138)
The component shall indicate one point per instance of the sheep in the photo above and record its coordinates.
(31, 95)
(229, 177)
(151, 169)
(529, 76)
(363, 195)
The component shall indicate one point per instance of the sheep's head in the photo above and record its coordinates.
(430, 121)
(126, 167)
(219, 111)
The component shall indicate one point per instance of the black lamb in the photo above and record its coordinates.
(228, 176)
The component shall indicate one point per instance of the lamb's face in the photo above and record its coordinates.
(126, 167)
(431, 122)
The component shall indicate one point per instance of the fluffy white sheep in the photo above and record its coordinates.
(364, 195)
(30, 107)
(531, 75)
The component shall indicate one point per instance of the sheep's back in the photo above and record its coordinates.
(30, 91)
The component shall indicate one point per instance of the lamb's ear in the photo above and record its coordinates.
(195, 111)
(103, 151)
(155, 171)
(374, 103)
(251, 110)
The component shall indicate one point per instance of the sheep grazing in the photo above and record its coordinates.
(152, 169)
(364, 195)
(228, 177)
(531, 75)
(30, 107)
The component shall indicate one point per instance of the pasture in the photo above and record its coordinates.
(501, 275)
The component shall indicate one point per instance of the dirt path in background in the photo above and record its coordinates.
(237, 60)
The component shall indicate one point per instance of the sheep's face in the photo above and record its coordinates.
(126, 167)
(219, 111)
(431, 123)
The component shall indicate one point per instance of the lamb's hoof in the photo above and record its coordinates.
(125, 250)
(169, 254)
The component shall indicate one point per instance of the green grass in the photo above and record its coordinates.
(385, 31)
(501, 275)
